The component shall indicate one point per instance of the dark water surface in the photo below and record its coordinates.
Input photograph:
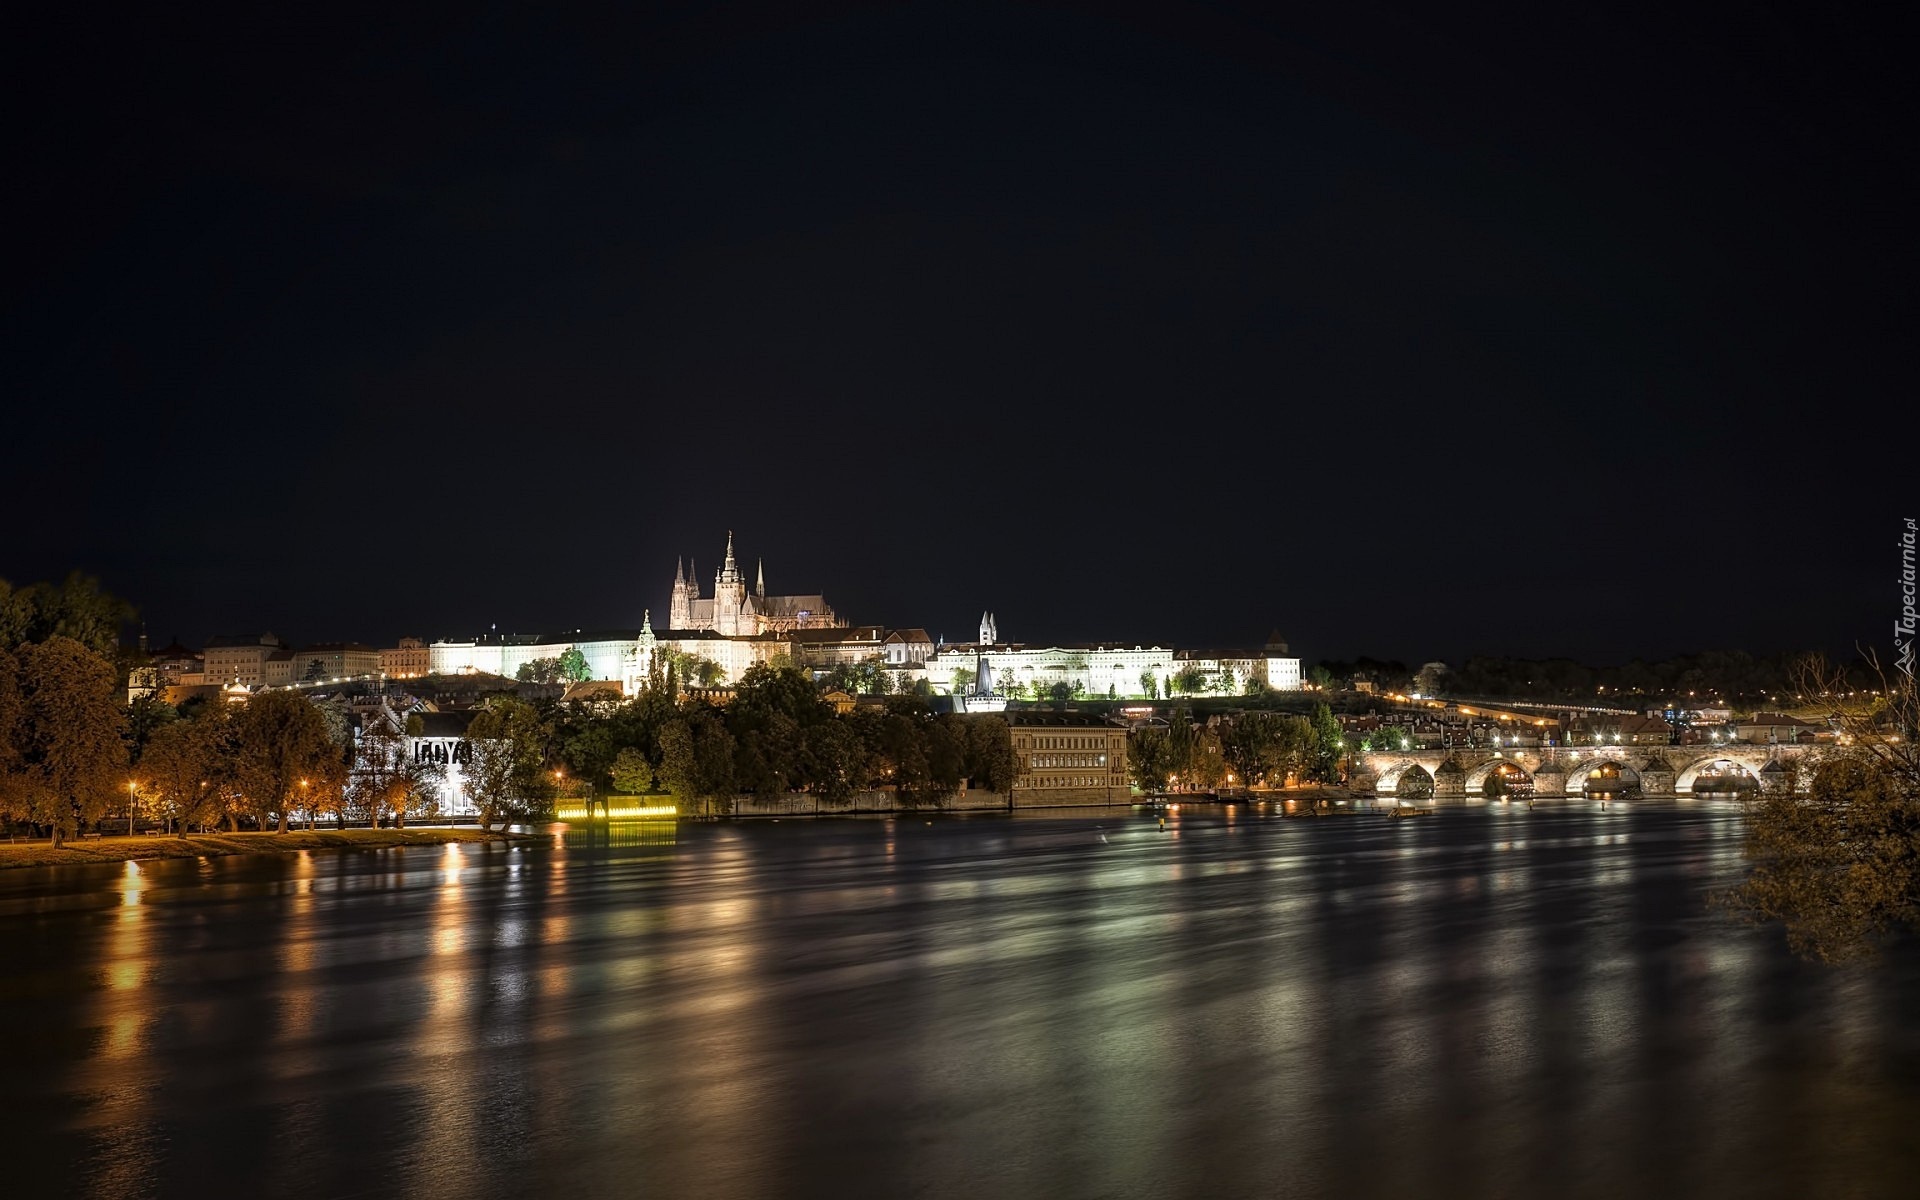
(1483, 1002)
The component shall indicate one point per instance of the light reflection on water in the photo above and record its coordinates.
(1484, 1001)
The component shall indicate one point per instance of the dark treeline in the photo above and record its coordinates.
(1247, 749)
(1730, 676)
(774, 737)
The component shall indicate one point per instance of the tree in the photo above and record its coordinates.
(1147, 759)
(1255, 746)
(991, 763)
(506, 772)
(836, 761)
(767, 690)
(1839, 866)
(632, 773)
(539, 670)
(146, 716)
(1207, 769)
(76, 609)
(1180, 744)
(945, 741)
(379, 757)
(963, 678)
(280, 739)
(1319, 676)
(904, 747)
(697, 759)
(417, 787)
(1149, 685)
(573, 666)
(66, 760)
(1190, 681)
(175, 771)
(1325, 746)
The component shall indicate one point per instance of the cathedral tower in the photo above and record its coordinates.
(729, 596)
(680, 608)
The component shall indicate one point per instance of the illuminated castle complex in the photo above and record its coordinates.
(733, 611)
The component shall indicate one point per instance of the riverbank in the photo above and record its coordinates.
(207, 845)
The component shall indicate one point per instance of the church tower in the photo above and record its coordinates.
(680, 608)
(729, 596)
(989, 630)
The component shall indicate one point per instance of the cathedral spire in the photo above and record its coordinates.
(679, 580)
(646, 622)
(730, 572)
(759, 577)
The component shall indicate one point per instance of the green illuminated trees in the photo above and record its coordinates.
(573, 666)
(1147, 759)
(507, 775)
(1325, 746)
(632, 773)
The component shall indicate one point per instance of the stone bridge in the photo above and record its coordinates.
(1574, 771)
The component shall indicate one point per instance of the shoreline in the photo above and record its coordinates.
(19, 855)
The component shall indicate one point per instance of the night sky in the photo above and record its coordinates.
(1409, 332)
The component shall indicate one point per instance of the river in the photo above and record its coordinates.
(1481, 1002)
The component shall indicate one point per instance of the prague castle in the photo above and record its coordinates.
(737, 627)
(732, 611)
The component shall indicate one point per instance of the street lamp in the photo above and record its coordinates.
(305, 805)
(130, 799)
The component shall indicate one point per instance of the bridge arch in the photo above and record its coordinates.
(1683, 783)
(1415, 782)
(1478, 776)
(1387, 779)
(1594, 774)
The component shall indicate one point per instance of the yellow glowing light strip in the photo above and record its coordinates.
(579, 812)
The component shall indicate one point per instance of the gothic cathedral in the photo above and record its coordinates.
(734, 612)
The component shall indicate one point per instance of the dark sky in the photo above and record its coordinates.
(1409, 331)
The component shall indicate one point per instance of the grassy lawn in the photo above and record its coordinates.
(120, 849)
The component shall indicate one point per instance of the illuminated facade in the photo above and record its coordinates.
(624, 656)
(733, 611)
(1108, 669)
(408, 660)
(1068, 757)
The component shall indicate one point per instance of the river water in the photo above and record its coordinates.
(1482, 1002)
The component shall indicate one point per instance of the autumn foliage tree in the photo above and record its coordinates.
(65, 759)
(1839, 865)
(178, 768)
(280, 739)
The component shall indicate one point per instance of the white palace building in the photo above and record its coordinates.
(1117, 669)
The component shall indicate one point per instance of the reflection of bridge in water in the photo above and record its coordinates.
(1577, 770)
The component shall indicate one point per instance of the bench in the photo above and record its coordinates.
(92, 837)
(154, 832)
